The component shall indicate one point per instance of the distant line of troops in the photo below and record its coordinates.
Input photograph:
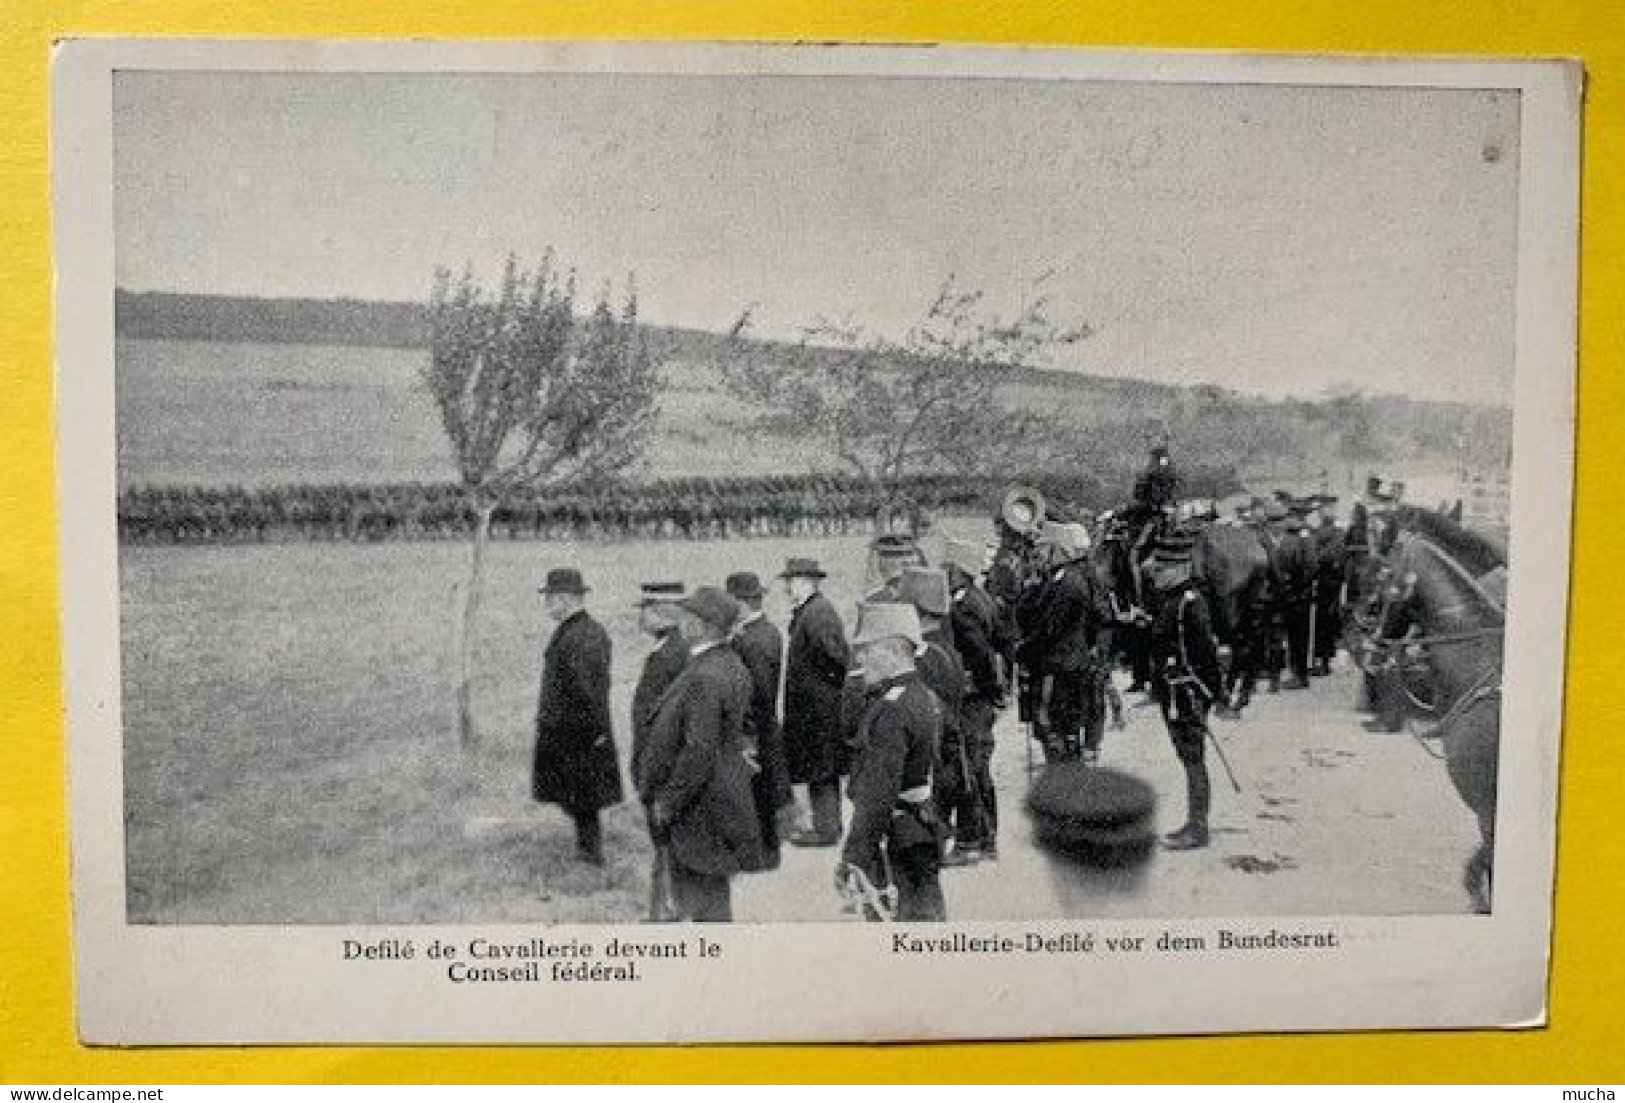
(687, 508)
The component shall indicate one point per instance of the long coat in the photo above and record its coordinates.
(660, 670)
(695, 765)
(943, 673)
(977, 636)
(761, 648)
(575, 763)
(815, 670)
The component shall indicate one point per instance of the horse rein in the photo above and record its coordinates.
(1438, 640)
(1487, 686)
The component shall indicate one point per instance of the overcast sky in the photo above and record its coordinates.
(1271, 239)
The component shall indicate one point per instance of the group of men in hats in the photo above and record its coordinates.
(902, 712)
(707, 762)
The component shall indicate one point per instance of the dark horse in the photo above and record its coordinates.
(1229, 563)
(1452, 583)
(1233, 566)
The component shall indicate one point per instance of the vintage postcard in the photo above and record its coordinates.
(589, 542)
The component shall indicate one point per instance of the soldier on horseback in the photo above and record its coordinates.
(1157, 487)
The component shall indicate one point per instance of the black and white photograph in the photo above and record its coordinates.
(799, 496)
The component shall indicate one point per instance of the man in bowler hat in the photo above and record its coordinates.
(761, 647)
(575, 764)
(658, 616)
(816, 663)
(696, 781)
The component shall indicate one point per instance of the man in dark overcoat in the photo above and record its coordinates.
(1356, 555)
(761, 648)
(575, 763)
(1331, 563)
(1258, 648)
(816, 663)
(696, 783)
(1295, 563)
(657, 616)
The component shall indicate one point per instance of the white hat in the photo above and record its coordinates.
(1070, 539)
(966, 556)
(882, 620)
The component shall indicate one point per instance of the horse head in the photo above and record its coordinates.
(1452, 580)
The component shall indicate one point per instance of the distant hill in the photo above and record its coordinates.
(1098, 423)
(163, 315)
(169, 316)
(159, 315)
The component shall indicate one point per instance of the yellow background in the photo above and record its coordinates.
(1582, 1046)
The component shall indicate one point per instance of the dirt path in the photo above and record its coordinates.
(1331, 820)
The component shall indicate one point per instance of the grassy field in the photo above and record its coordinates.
(211, 413)
(290, 746)
(258, 414)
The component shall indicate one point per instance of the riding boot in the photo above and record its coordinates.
(1198, 794)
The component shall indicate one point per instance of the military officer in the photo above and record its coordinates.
(894, 839)
(1385, 678)
(1258, 650)
(1063, 645)
(1330, 567)
(1157, 487)
(1356, 555)
(978, 632)
(940, 668)
(1186, 675)
(1295, 563)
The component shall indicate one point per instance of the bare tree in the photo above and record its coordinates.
(531, 395)
(886, 408)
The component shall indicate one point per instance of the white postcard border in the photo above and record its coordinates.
(283, 985)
